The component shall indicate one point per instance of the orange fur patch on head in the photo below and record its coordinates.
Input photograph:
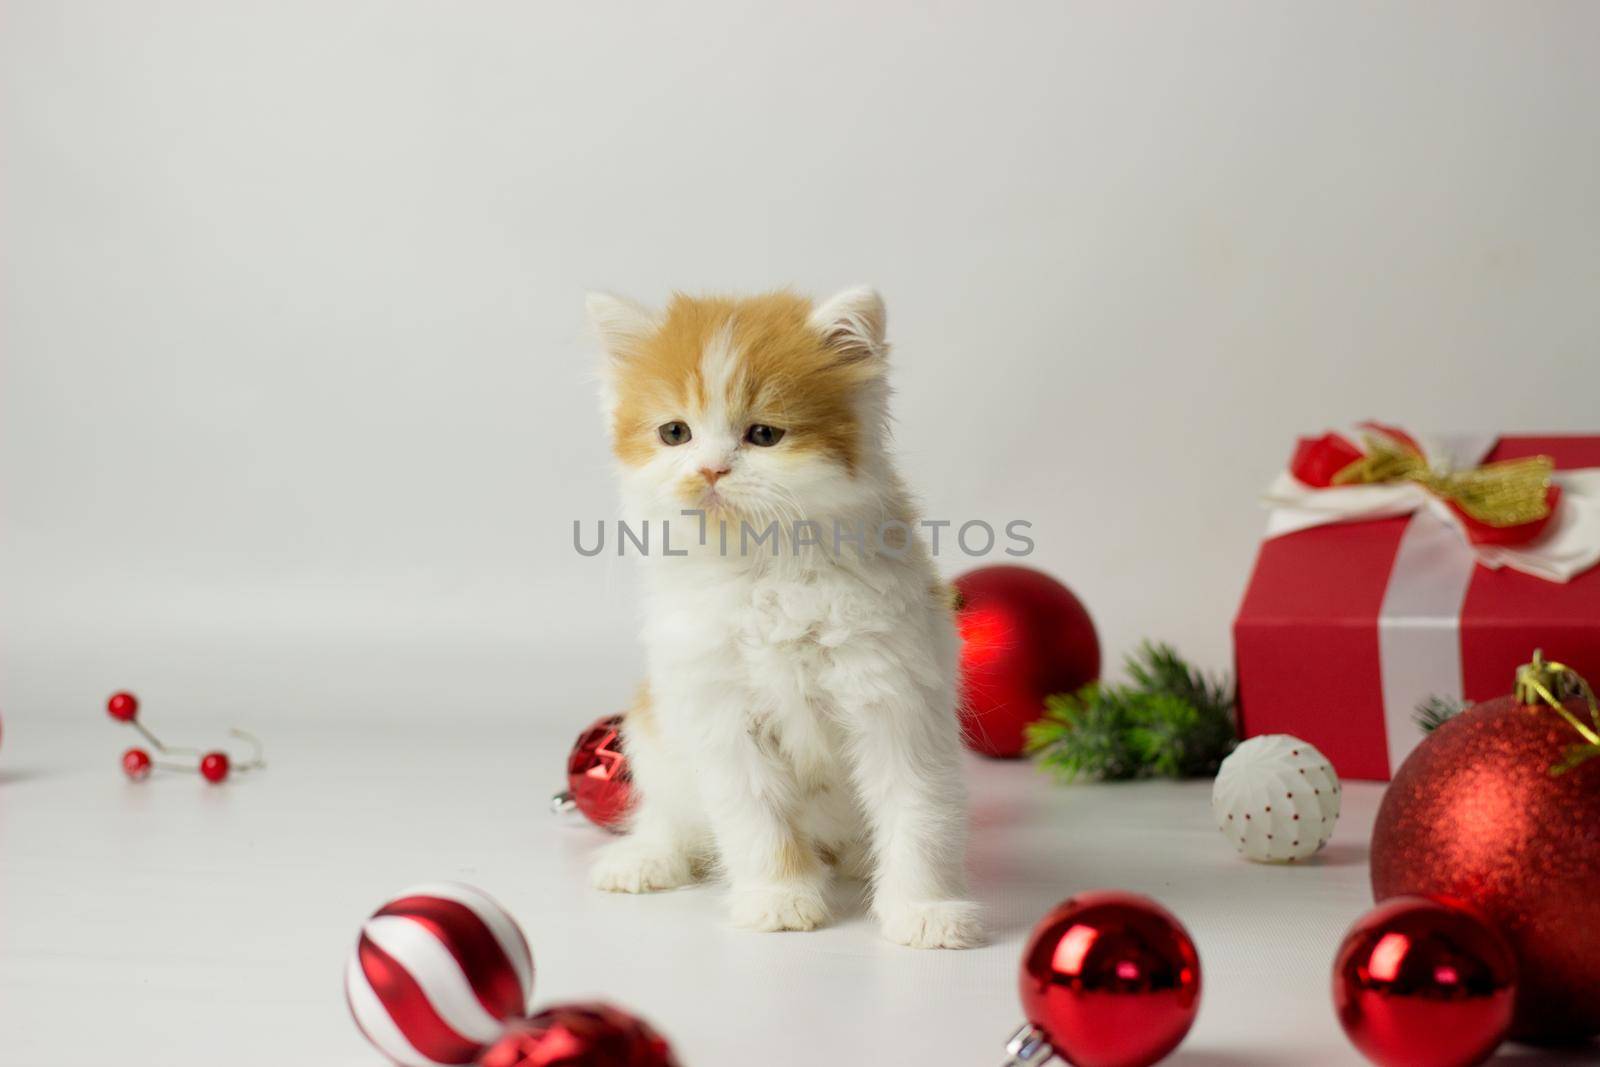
(784, 373)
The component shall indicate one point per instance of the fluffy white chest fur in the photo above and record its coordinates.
(799, 715)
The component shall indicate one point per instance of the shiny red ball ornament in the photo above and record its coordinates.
(1108, 979)
(214, 766)
(136, 764)
(580, 1035)
(1024, 636)
(1419, 983)
(1475, 815)
(124, 707)
(598, 778)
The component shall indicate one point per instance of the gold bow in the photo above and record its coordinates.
(1554, 683)
(1508, 493)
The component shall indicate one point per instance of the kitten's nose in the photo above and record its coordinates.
(711, 474)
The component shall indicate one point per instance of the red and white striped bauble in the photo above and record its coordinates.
(436, 974)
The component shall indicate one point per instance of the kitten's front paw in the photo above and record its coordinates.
(630, 866)
(932, 924)
(778, 907)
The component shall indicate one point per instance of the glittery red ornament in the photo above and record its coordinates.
(1108, 980)
(1024, 636)
(580, 1035)
(1418, 983)
(597, 774)
(1475, 815)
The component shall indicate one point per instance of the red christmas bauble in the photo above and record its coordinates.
(1475, 815)
(124, 707)
(1024, 636)
(1418, 983)
(580, 1035)
(1111, 979)
(598, 776)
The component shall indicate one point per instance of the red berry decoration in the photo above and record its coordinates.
(1024, 636)
(580, 1035)
(214, 766)
(1476, 815)
(1108, 979)
(124, 707)
(1418, 983)
(599, 783)
(136, 764)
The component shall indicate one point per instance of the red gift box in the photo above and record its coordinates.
(1311, 660)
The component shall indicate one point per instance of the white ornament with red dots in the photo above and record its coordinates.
(1276, 798)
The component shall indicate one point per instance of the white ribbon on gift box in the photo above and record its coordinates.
(1419, 624)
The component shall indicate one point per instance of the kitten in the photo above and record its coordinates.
(800, 709)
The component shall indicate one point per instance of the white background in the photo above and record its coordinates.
(295, 409)
(292, 325)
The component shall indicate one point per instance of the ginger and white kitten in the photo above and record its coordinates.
(800, 709)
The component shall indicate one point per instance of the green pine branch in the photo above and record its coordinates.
(1170, 721)
(1435, 711)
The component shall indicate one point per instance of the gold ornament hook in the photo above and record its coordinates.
(1550, 683)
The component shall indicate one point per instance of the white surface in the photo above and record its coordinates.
(292, 292)
(174, 923)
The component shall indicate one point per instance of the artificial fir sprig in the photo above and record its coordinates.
(1435, 711)
(1170, 720)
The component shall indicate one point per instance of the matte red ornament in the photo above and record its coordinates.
(599, 783)
(1419, 983)
(214, 766)
(1024, 637)
(1475, 815)
(124, 707)
(580, 1035)
(1108, 979)
(136, 764)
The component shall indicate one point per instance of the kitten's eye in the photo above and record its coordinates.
(763, 436)
(674, 433)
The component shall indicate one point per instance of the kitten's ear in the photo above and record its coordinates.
(620, 323)
(854, 322)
